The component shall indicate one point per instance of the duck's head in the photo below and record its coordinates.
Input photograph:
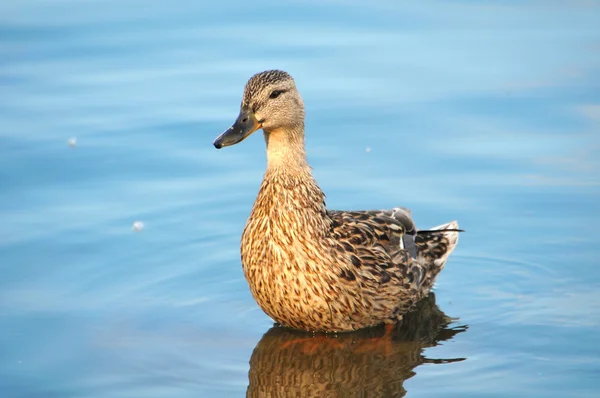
(271, 102)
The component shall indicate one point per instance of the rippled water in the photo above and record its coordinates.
(485, 112)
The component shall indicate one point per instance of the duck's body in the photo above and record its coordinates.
(313, 269)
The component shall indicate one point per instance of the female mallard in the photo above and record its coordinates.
(316, 269)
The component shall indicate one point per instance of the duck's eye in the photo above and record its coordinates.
(276, 93)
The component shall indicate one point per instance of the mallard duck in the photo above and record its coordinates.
(315, 269)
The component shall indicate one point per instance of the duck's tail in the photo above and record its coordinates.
(433, 248)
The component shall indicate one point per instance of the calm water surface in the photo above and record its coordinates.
(485, 112)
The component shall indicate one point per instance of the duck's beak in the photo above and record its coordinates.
(244, 125)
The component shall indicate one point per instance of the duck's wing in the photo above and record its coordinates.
(387, 242)
(380, 267)
(394, 230)
(376, 237)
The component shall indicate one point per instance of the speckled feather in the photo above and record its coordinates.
(315, 269)
(258, 82)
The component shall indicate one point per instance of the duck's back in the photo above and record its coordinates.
(397, 263)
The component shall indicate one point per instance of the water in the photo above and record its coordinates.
(485, 112)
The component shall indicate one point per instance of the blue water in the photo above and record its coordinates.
(484, 112)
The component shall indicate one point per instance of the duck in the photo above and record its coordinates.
(315, 269)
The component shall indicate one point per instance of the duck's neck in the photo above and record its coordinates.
(289, 196)
(285, 150)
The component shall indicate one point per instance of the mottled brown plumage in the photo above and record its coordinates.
(311, 268)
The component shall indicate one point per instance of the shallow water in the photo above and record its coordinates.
(487, 112)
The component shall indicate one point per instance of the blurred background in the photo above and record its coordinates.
(487, 112)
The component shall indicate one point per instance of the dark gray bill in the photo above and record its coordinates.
(244, 125)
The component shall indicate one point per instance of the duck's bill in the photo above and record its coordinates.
(244, 125)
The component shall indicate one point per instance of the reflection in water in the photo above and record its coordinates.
(364, 363)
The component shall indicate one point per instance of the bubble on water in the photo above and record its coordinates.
(72, 142)
(368, 149)
(137, 226)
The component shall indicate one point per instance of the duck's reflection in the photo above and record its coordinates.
(369, 363)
